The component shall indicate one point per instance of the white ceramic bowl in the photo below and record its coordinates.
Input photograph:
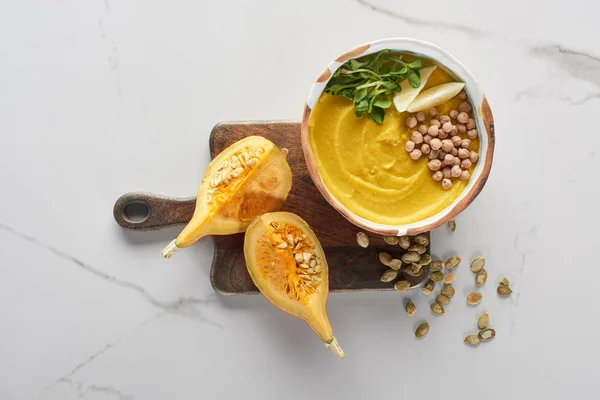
(483, 118)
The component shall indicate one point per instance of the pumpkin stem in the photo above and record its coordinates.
(170, 249)
(334, 346)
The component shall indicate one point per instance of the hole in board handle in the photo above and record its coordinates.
(136, 212)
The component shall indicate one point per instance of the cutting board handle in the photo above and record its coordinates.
(142, 211)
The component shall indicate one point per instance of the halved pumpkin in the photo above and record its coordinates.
(249, 178)
(287, 264)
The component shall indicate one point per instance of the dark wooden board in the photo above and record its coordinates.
(350, 266)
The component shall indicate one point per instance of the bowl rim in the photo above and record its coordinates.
(483, 118)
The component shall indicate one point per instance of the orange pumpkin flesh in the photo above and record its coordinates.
(250, 177)
(287, 264)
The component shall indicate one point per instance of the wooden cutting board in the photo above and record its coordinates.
(350, 266)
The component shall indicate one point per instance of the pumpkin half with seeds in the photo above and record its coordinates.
(287, 264)
(249, 178)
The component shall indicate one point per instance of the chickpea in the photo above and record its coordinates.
(446, 184)
(454, 130)
(462, 128)
(448, 159)
(447, 145)
(472, 134)
(436, 144)
(456, 141)
(462, 95)
(456, 161)
(466, 143)
(466, 164)
(447, 127)
(442, 135)
(427, 139)
(447, 172)
(434, 165)
(437, 176)
(463, 117)
(435, 122)
(425, 149)
(455, 171)
(433, 130)
(444, 118)
(454, 152)
(420, 116)
(441, 154)
(411, 122)
(416, 137)
(465, 175)
(464, 106)
(415, 154)
(471, 124)
(409, 146)
(474, 157)
(434, 154)
(422, 129)
(453, 114)
(463, 153)
(433, 112)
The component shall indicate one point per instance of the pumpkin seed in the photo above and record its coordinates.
(425, 259)
(504, 282)
(504, 291)
(402, 286)
(391, 239)
(440, 298)
(410, 308)
(472, 340)
(422, 330)
(477, 264)
(437, 308)
(421, 239)
(481, 277)
(486, 334)
(483, 321)
(452, 225)
(448, 291)
(436, 265)
(413, 270)
(362, 239)
(389, 275)
(428, 287)
(395, 264)
(452, 262)
(404, 241)
(411, 257)
(449, 278)
(436, 276)
(474, 298)
(385, 258)
(418, 248)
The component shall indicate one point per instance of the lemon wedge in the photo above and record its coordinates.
(403, 99)
(435, 96)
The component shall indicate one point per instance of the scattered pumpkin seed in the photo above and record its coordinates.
(452, 225)
(389, 275)
(504, 282)
(425, 259)
(404, 241)
(418, 248)
(449, 278)
(477, 264)
(410, 308)
(437, 308)
(436, 265)
(402, 286)
(395, 264)
(422, 330)
(504, 291)
(413, 270)
(385, 258)
(483, 321)
(411, 257)
(474, 298)
(472, 340)
(452, 262)
(436, 276)
(428, 287)
(362, 239)
(448, 291)
(391, 239)
(486, 334)
(442, 299)
(481, 277)
(421, 239)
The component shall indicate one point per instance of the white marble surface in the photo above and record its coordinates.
(101, 97)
